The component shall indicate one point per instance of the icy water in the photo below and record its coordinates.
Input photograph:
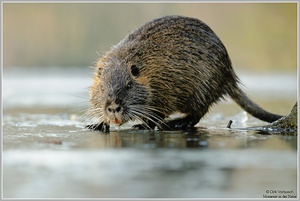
(47, 152)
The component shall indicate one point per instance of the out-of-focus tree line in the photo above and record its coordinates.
(258, 36)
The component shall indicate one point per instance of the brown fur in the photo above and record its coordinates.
(182, 67)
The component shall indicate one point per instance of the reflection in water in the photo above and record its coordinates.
(154, 139)
(200, 138)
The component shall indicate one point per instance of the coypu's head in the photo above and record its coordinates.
(119, 92)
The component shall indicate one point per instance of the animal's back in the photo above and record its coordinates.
(186, 64)
(176, 64)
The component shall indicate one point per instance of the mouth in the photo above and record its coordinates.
(116, 121)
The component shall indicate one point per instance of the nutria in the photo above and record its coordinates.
(171, 64)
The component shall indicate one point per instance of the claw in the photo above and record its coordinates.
(103, 127)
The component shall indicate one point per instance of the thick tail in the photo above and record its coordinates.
(249, 106)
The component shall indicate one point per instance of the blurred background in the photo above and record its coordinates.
(47, 51)
(260, 37)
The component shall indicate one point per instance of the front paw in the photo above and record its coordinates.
(103, 127)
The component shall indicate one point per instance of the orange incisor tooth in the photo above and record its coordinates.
(117, 121)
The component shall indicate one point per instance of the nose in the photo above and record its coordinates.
(114, 108)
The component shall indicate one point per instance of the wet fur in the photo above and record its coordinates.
(183, 67)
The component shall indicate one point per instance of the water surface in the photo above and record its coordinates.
(47, 152)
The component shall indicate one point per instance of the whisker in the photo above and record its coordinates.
(91, 116)
(141, 120)
(147, 112)
(149, 116)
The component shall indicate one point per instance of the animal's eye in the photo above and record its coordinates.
(135, 71)
(129, 85)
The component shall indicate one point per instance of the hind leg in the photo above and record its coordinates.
(186, 123)
(192, 117)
